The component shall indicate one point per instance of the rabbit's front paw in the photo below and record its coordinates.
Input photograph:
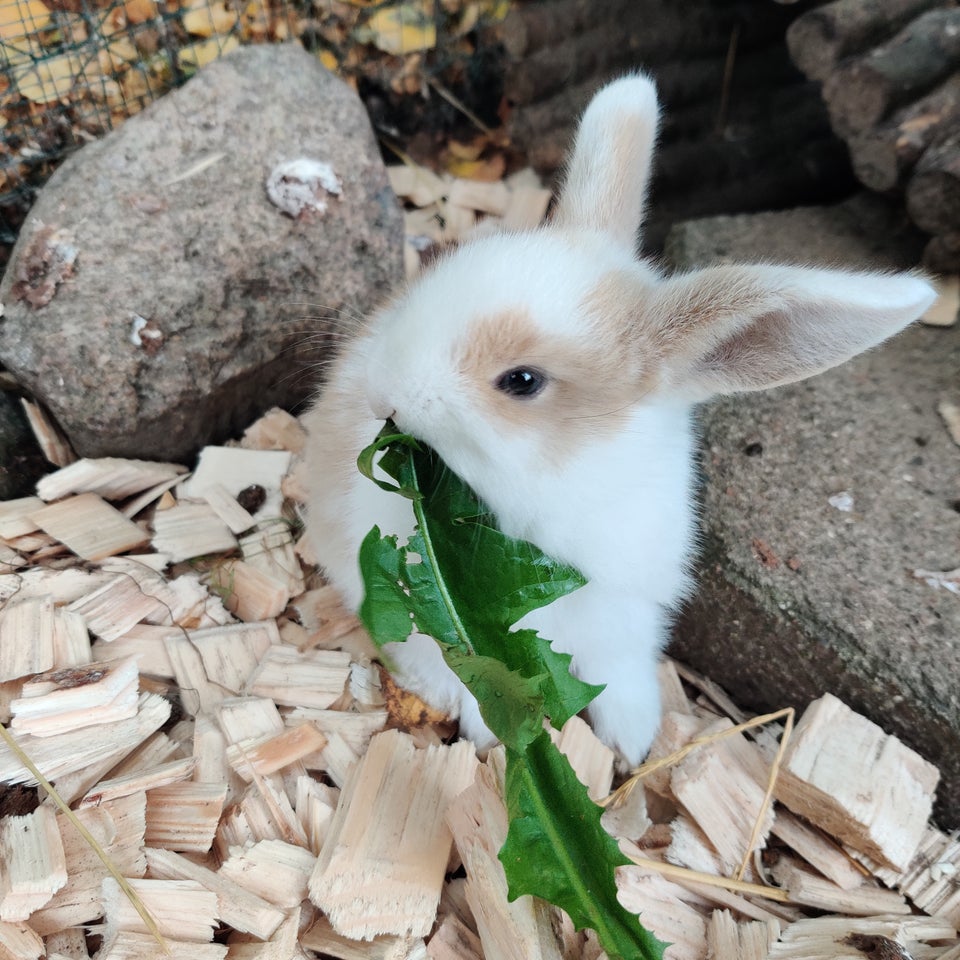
(472, 726)
(626, 715)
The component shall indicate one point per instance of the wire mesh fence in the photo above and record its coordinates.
(71, 70)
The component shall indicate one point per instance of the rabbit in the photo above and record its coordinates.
(557, 374)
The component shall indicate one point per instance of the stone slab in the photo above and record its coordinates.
(799, 597)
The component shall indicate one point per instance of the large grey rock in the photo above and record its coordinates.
(169, 220)
(798, 597)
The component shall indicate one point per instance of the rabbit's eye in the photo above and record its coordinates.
(522, 382)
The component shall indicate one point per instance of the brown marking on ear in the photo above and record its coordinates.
(594, 379)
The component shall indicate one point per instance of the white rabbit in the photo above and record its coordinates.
(556, 374)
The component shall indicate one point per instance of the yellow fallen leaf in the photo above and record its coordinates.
(256, 21)
(21, 17)
(206, 21)
(468, 151)
(50, 80)
(140, 11)
(199, 54)
(329, 60)
(117, 55)
(404, 28)
(25, 51)
(487, 171)
(141, 86)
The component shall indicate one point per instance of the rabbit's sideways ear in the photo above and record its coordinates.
(737, 328)
(606, 181)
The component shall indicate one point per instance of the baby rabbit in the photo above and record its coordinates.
(556, 374)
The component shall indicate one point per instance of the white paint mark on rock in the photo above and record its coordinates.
(302, 187)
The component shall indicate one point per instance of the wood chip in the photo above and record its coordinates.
(117, 825)
(20, 942)
(270, 549)
(139, 780)
(338, 759)
(275, 430)
(946, 307)
(493, 198)
(231, 653)
(355, 729)
(723, 785)
(273, 870)
(932, 881)
(262, 756)
(236, 469)
(235, 906)
(312, 678)
(15, 519)
(821, 938)
(34, 867)
(281, 945)
(110, 477)
(26, 638)
(844, 774)
(592, 760)
(419, 185)
(71, 641)
(182, 909)
(184, 815)
(324, 940)
(227, 508)
(76, 750)
(661, 904)
(950, 412)
(249, 593)
(143, 946)
(322, 613)
(191, 530)
(508, 930)
(116, 607)
(376, 846)
(89, 526)
(144, 642)
(730, 940)
(197, 692)
(811, 890)
(818, 850)
(71, 699)
(53, 444)
(155, 493)
(454, 940)
(10, 560)
(526, 208)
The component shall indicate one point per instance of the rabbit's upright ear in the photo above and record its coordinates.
(736, 328)
(606, 182)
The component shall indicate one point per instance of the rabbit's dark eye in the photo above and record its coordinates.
(523, 382)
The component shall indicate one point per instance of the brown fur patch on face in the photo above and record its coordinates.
(594, 380)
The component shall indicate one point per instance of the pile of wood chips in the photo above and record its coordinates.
(172, 661)
(443, 210)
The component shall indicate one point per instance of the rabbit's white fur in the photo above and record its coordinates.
(596, 469)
